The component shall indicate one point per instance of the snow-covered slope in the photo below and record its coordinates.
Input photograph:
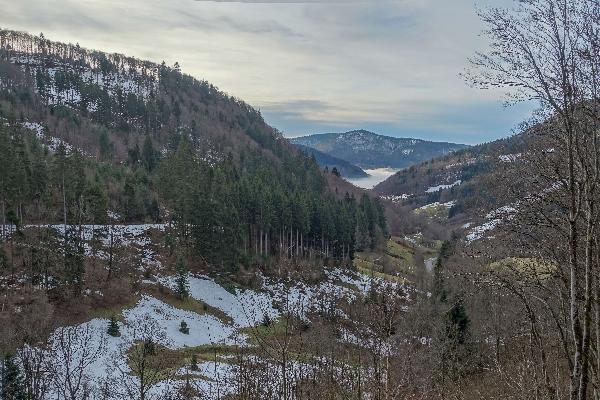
(88, 354)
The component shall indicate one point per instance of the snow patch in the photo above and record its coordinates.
(437, 188)
(437, 204)
(508, 158)
(396, 198)
(53, 143)
(495, 218)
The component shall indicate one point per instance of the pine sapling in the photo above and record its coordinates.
(194, 363)
(182, 288)
(183, 328)
(113, 327)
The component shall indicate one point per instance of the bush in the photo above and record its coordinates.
(183, 328)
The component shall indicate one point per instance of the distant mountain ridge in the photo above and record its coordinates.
(346, 169)
(370, 150)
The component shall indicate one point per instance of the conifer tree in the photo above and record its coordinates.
(458, 323)
(194, 362)
(113, 327)
(183, 328)
(106, 147)
(11, 382)
(6, 184)
(363, 240)
(439, 293)
(149, 157)
(182, 286)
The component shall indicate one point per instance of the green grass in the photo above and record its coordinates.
(439, 211)
(205, 353)
(398, 261)
(382, 275)
(527, 266)
(398, 257)
(171, 360)
(399, 250)
(116, 311)
(276, 328)
(188, 304)
(362, 263)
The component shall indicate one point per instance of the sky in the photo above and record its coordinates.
(310, 66)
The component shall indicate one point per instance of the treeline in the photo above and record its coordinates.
(224, 212)
(262, 211)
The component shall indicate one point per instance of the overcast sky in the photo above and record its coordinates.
(310, 66)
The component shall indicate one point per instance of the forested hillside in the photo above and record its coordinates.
(343, 167)
(148, 221)
(86, 133)
(466, 181)
(160, 241)
(369, 150)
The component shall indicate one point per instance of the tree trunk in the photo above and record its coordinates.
(583, 385)
(260, 242)
(573, 263)
(4, 220)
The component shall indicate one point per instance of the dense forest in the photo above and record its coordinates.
(237, 193)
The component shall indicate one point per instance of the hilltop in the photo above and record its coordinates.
(370, 150)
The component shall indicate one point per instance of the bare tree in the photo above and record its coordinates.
(548, 51)
(140, 362)
(73, 351)
(35, 376)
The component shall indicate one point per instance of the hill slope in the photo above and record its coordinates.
(149, 143)
(369, 150)
(459, 189)
(346, 169)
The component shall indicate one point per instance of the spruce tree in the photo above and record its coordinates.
(11, 382)
(363, 240)
(106, 147)
(182, 288)
(439, 293)
(457, 351)
(113, 327)
(194, 362)
(458, 324)
(149, 157)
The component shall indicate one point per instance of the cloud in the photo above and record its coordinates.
(308, 65)
(469, 123)
(289, 1)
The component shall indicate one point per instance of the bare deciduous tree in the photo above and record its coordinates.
(548, 51)
(140, 362)
(73, 351)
